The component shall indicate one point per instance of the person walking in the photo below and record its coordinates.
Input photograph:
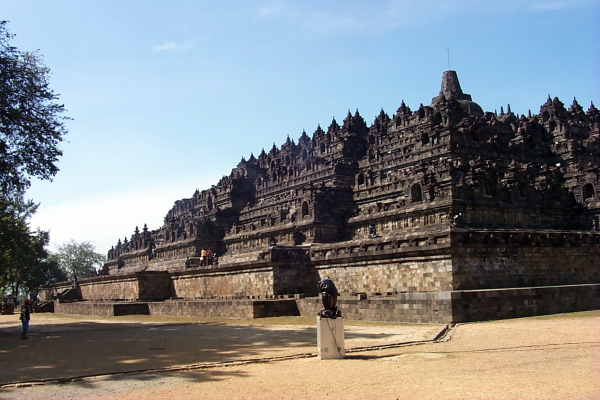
(25, 315)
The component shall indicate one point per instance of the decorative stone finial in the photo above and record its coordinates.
(452, 91)
(450, 84)
(318, 131)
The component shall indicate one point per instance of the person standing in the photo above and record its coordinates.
(25, 315)
(203, 257)
(209, 256)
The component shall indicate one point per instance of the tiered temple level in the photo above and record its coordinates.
(443, 214)
(418, 173)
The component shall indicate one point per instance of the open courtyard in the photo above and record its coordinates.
(145, 357)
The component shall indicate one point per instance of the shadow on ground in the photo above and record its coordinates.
(62, 351)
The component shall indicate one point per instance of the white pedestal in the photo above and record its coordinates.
(330, 338)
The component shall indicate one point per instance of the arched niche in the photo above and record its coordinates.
(545, 116)
(304, 209)
(416, 193)
(521, 190)
(489, 188)
(360, 179)
(588, 193)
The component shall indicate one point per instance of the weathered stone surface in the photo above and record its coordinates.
(238, 309)
(440, 199)
(481, 305)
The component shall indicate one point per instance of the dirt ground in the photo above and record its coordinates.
(551, 357)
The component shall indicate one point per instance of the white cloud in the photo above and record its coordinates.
(172, 46)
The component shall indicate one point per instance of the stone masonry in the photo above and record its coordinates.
(447, 198)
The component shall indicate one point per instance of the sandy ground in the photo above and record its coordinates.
(552, 357)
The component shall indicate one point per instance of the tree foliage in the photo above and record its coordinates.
(20, 250)
(78, 259)
(31, 129)
(31, 125)
(45, 271)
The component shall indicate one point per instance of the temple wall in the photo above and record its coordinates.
(398, 221)
(154, 285)
(505, 265)
(413, 308)
(171, 265)
(238, 309)
(176, 251)
(548, 267)
(124, 287)
(463, 306)
(432, 307)
(491, 213)
(409, 274)
(482, 305)
(146, 285)
(224, 283)
(295, 279)
(415, 288)
(102, 309)
(48, 292)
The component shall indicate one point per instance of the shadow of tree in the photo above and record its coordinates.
(67, 351)
(146, 378)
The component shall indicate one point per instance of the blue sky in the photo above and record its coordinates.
(168, 96)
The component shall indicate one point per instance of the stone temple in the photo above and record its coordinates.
(442, 214)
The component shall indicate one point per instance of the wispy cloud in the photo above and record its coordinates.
(273, 8)
(172, 46)
(553, 5)
(357, 17)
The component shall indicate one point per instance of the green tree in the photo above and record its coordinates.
(44, 272)
(20, 250)
(31, 125)
(78, 259)
(31, 129)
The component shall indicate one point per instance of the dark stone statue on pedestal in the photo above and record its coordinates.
(329, 296)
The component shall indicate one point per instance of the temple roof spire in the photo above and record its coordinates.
(451, 85)
(451, 90)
